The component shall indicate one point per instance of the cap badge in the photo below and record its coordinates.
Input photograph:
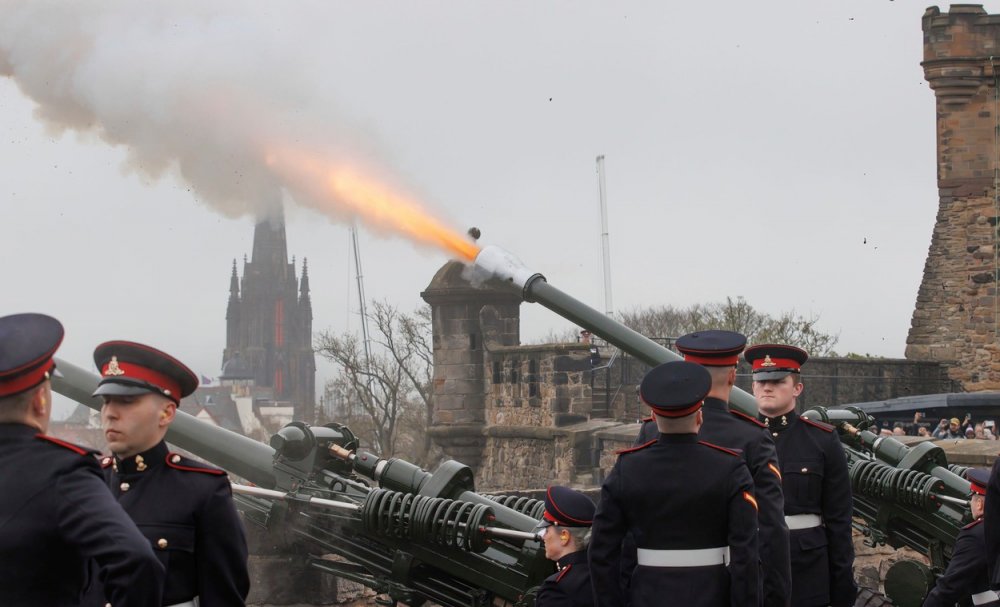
(113, 368)
(767, 362)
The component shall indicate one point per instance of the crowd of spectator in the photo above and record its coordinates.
(945, 428)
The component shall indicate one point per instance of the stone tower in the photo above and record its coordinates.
(467, 321)
(269, 320)
(957, 315)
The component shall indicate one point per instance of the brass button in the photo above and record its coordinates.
(161, 543)
(124, 486)
(805, 469)
(107, 604)
(176, 459)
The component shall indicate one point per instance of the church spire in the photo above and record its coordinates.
(269, 247)
(234, 282)
(304, 283)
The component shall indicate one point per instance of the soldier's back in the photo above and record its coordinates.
(56, 515)
(684, 518)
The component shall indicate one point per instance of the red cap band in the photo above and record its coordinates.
(713, 361)
(133, 371)
(28, 380)
(977, 489)
(677, 412)
(776, 364)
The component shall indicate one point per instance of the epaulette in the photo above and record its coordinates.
(647, 419)
(563, 572)
(106, 461)
(744, 416)
(973, 523)
(636, 448)
(735, 452)
(178, 461)
(74, 448)
(821, 425)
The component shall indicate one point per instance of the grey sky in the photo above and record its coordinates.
(780, 151)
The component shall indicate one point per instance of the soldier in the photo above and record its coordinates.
(56, 514)
(816, 485)
(566, 527)
(718, 352)
(183, 507)
(991, 526)
(688, 504)
(966, 574)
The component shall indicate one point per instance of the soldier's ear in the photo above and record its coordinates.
(168, 412)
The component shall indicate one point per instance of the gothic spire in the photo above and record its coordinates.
(304, 283)
(234, 282)
(269, 247)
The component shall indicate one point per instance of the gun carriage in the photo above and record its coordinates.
(418, 536)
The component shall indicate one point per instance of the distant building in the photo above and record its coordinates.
(269, 322)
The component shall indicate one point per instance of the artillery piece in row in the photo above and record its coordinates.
(419, 536)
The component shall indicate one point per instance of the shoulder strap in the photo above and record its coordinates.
(179, 462)
(636, 448)
(822, 426)
(746, 417)
(74, 448)
(735, 452)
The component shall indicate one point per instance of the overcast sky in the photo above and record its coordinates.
(780, 151)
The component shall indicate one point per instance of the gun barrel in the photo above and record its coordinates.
(236, 453)
(502, 265)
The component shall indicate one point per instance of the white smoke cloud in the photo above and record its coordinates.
(206, 90)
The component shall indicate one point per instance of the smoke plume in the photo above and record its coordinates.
(216, 92)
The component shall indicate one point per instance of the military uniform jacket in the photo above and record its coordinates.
(966, 574)
(568, 587)
(991, 524)
(815, 481)
(737, 431)
(185, 510)
(676, 493)
(56, 515)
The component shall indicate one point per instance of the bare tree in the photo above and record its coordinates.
(734, 314)
(392, 385)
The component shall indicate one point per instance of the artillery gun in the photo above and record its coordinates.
(423, 537)
(903, 496)
(414, 535)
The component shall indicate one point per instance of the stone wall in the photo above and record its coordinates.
(956, 316)
(544, 385)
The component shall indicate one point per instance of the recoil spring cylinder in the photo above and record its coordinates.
(958, 470)
(525, 505)
(420, 518)
(899, 485)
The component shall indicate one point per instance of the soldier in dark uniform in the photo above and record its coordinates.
(718, 352)
(56, 514)
(966, 575)
(688, 504)
(183, 507)
(817, 488)
(566, 527)
(991, 527)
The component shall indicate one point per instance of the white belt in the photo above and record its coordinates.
(803, 521)
(704, 557)
(987, 596)
(192, 603)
